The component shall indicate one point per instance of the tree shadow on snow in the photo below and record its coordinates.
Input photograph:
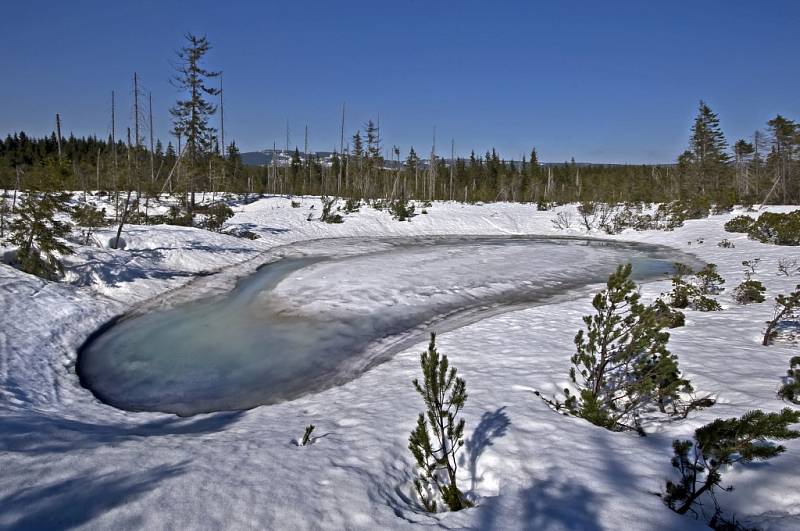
(549, 504)
(68, 503)
(493, 424)
(37, 433)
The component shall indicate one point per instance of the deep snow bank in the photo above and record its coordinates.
(68, 460)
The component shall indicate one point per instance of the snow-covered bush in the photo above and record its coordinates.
(622, 365)
(725, 243)
(791, 389)
(438, 436)
(718, 446)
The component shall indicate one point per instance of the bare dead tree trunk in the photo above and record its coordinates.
(341, 152)
(58, 135)
(452, 164)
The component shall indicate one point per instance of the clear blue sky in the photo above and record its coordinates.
(602, 81)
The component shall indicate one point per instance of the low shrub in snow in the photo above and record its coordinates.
(438, 436)
(328, 216)
(351, 205)
(749, 291)
(788, 266)
(725, 243)
(401, 209)
(739, 224)
(776, 228)
(666, 316)
(718, 446)
(88, 218)
(217, 215)
(562, 221)
(791, 389)
(693, 294)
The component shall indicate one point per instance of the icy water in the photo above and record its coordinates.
(300, 325)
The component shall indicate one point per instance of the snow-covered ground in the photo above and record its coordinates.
(69, 460)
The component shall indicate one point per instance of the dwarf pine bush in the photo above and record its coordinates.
(438, 436)
(791, 389)
(720, 445)
(692, 294)
(786, 308)
(328, 216)
(218, 214)
(739, 224)
(776, 228)
(622, 365)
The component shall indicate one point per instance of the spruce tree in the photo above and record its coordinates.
(622, 363)
(36, 230)
(191, 115)
(707, 148)
(438, 436)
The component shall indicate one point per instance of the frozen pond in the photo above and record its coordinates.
(306, 323)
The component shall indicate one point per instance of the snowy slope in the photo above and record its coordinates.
(68, 460)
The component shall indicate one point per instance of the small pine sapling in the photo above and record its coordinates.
(438, 436)
(621, 365)
(786, 307)
(327, 215)
(218, 214)
(307, 435)
(720, 445)
(791, 389)
(89, 218)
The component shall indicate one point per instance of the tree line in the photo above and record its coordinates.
(760, 169)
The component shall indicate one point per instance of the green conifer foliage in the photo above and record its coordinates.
(438, 436)
(721, 444)
(36, 231)
(622, 364)
(786, 307)
(791, 389)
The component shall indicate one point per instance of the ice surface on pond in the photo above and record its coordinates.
(304, 324)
